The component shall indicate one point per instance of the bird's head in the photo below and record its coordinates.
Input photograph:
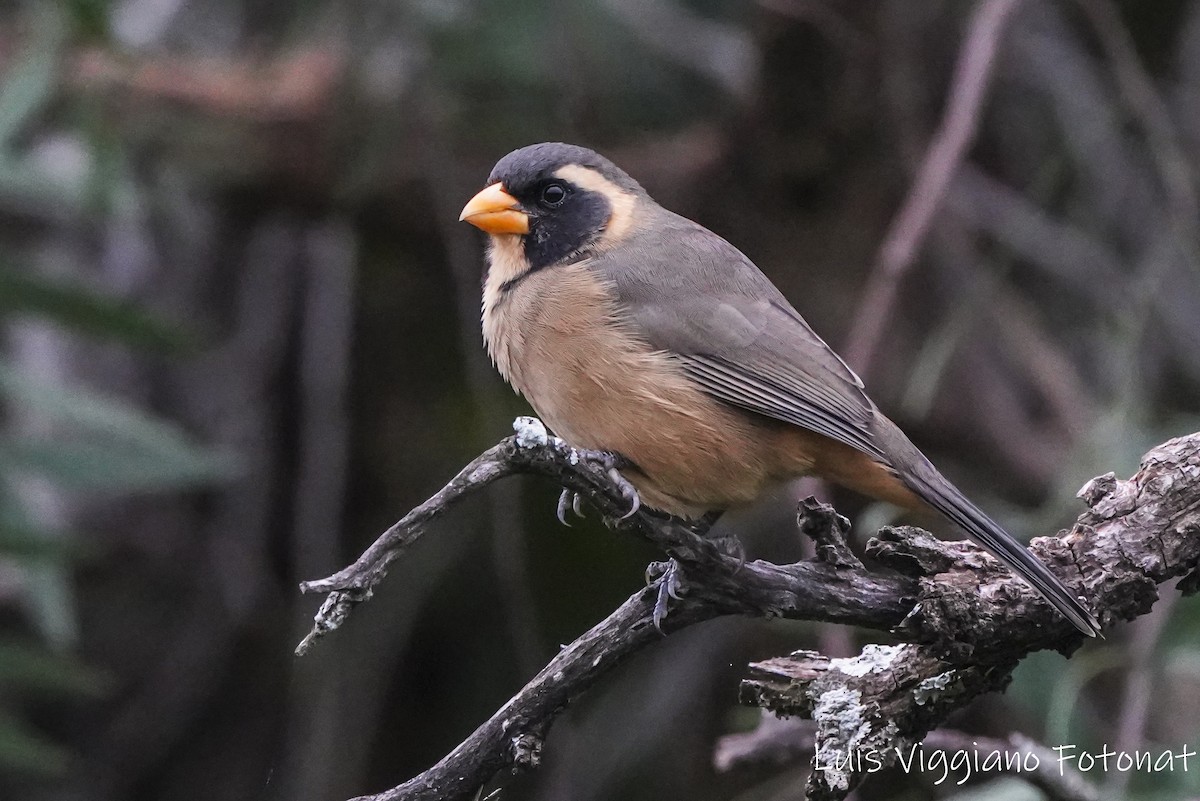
(561, 200)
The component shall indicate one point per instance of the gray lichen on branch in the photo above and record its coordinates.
(964, 621)
(1137, 534)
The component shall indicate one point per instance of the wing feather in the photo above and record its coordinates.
(690, 293)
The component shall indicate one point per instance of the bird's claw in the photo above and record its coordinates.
(668, 578)
(568, 500)
(611, 464)
(628, 492)
(564, 503)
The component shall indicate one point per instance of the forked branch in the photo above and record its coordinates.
(964, 622)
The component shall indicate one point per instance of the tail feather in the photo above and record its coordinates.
(947, 499)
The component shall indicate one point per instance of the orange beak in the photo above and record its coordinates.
(495, 211)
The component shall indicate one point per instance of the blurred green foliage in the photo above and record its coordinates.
(85, 442)
(88, 313)
(98, 445)
(89, 18)
(81, 442)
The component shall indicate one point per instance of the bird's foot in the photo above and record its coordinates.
(611, 463)
(667, 577)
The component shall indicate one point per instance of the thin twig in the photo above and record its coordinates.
(1176, 175)
(352, 585)
(1142, 98)
(968, 621)
(972, 76)
(1078, 261)
(816, 590)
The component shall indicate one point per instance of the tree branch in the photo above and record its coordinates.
(965, 619)
(1137, 534)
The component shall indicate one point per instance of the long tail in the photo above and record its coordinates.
(943, 496)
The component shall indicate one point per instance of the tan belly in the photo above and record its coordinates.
(555, 337)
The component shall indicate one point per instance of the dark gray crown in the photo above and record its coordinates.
(528, 165)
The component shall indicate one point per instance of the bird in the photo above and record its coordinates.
(637, 332)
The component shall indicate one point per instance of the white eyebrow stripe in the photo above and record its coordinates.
(621, 218)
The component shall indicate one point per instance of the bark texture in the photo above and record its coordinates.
(963, 621)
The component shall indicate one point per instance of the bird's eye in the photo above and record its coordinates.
(553, 195)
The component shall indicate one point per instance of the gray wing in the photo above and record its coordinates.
(690, 293)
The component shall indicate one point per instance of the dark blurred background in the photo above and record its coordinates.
(240, 337)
